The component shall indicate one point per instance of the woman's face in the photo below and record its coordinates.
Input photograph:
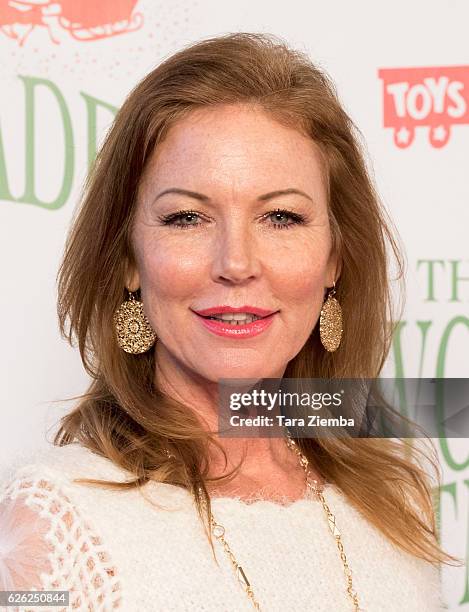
(223, 244)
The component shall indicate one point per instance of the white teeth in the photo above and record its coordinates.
(239, 318)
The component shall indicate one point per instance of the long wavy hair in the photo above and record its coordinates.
(124, 416)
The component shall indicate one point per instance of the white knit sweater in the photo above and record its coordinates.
(117, 550)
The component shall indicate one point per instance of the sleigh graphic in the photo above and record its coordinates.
(434, 98)
(94, 20)
(84, 20)
(26, 15)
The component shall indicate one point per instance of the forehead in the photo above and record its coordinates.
(234, 143)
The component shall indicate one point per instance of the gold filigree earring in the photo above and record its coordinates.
(330, 322)
(133, 330)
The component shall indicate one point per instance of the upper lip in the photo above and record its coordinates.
(259, 312)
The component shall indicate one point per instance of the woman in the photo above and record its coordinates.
(231, 183)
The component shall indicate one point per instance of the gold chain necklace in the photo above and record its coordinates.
(219, 532)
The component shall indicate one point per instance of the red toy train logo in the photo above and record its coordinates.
(84, 20)
(435, 98)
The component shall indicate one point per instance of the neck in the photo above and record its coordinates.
(202, 397)
(265, 461)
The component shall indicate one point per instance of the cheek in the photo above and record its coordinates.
(300, 274)
(168, 273)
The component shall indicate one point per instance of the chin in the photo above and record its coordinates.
(240, 371)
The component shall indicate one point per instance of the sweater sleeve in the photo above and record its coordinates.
(46, 544)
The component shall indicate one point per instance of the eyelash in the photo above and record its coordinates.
(169, 219)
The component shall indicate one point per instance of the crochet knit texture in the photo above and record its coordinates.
(146, 550)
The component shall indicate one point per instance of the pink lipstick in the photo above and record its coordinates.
(263, 319)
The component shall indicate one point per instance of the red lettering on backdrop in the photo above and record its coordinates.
(436, 98)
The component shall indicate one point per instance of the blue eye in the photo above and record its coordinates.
(295, 217)
(181, 214)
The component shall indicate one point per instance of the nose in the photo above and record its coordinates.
(236, 256)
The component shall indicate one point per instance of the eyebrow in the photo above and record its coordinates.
(263, 198)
